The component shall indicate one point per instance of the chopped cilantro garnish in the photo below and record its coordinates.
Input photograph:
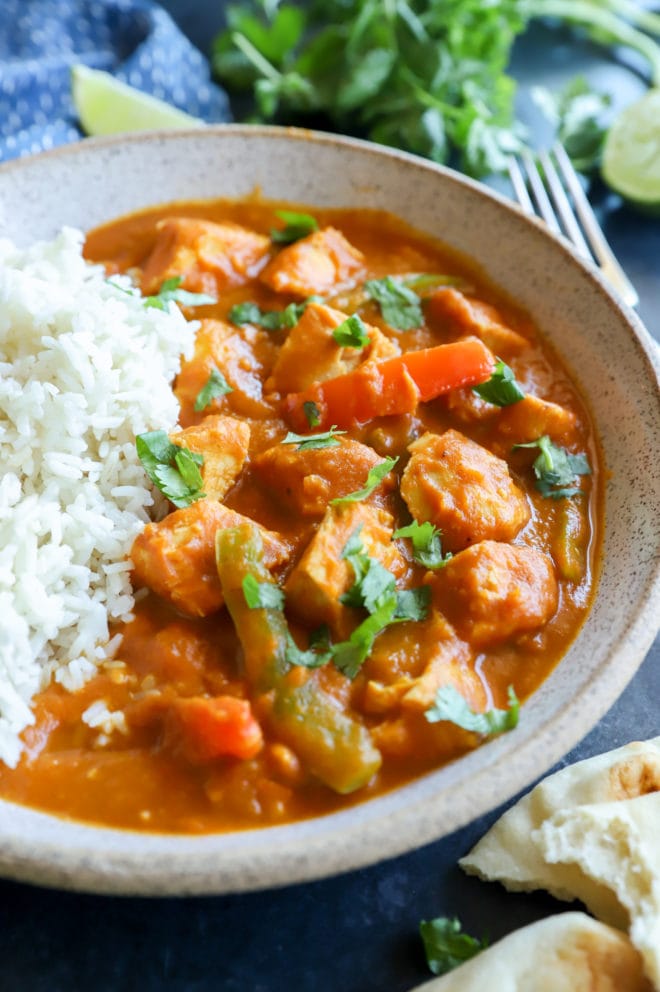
(426, 546)
(451, 706)
(374, 477)
(297, 226)
(307, 441)
(400, 306)
(270, 320)
(170, 292)
(349, 655)
(262, 595)
(501, 389)
(412, 604)
(312, 413)
(173, 469)
(555, 468)
(352, 333)
(445, 944)
(316, 655)
(216, 385)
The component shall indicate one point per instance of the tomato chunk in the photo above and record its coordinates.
(207, 728)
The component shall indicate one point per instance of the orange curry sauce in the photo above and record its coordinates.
(501, 613)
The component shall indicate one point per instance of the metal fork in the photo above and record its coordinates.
(553, 191)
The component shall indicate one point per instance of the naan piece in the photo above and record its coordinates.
(617, 846)
(565, 953)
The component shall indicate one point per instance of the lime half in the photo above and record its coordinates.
(107, 106)
(631, 154)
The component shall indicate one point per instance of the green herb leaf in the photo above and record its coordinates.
(297, 226)
(555, 468)
(314, 657)
(270, 320)
(216, 385)
(174, 470)
(350, 655)
(445, 944)
(501, 389)
(169, 292)
(412, 604)
(374, 477)
(426, 546)
(352, 333)
(426, 282)
(400, 306)
(580, 116)
(262, 595)
(306, 441)
(312, 413)
(451, 706)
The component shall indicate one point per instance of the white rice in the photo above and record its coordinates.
(84, 367)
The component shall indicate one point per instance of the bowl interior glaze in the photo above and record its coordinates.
(603, 342)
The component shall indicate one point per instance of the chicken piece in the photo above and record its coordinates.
(322, 261)
(209, 257)
(243, 355)
(416, 659)
(321, 576)
(311, 354)
(532, 417)
(463, 489)
(224, 443)
(492, 592)
(176, 556)
(470, 316)
(305, 481)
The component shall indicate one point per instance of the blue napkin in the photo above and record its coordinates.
(134, 39)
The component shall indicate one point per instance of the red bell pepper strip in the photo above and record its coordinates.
(394, 386)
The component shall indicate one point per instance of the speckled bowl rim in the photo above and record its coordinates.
(52, 851)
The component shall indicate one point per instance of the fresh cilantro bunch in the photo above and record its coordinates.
(427, 76)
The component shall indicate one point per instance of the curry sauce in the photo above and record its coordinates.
(292, 652)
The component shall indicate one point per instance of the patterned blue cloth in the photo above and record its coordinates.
(134, 39)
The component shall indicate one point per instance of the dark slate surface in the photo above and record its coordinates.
(356, 932)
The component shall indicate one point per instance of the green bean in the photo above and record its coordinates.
(333, 745)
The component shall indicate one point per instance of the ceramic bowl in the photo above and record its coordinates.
(616, 364)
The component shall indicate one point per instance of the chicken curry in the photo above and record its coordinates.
(384, 508)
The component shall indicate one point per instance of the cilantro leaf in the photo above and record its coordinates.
(400, 306)
(349, 656)
(352, 333)
(501, 389)
(306, 441)
(451, 706)
(312, 413)
(413, 604)
(262, 595)
(314, 657)
(555, 468)
(426, 546)
(270, 320)
(174, 470)
(445, 944)
(170, 292)
(297, 226)
(580, 116)
(426, 282)
(374, 477)
(216, 385)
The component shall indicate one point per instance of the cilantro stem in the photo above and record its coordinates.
(255, 57)
(588, 15)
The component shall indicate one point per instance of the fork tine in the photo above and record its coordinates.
(601, 249)
(538, 189)
(563, 206)
(520, 186)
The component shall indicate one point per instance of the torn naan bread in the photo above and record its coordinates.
(567, 834)
(565, 953)
(617, 846)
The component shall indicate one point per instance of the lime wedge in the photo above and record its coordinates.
(107, 106)
(631, 154)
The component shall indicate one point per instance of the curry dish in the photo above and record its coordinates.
(383, 527)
